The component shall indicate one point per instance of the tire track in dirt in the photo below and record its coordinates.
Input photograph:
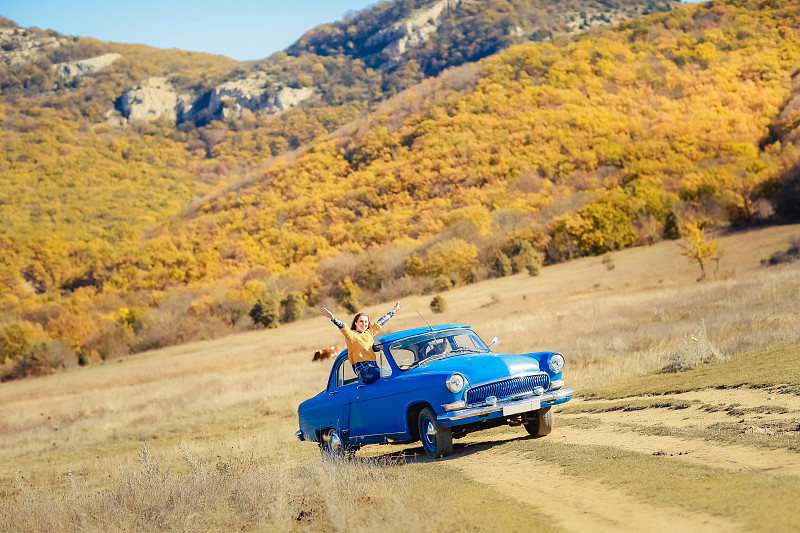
(731, 457)
(744, 396)
(618, 428)
(578, 504)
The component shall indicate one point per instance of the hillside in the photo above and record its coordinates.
(547, 151)
(200, 437)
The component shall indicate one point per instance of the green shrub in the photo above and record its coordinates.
(266, 312)
(529, 259)
(348, 294)
(293, 306)
(502, 265)
(521, 254)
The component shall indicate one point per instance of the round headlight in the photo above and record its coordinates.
(456, 382)
(556, 363)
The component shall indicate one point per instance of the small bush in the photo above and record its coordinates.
(438, 304)
(502, 265)
(348, 294)
(266, 313)
(229, 309)
(694, 351)
(523, 255)
(528, 259)
(293, 306)
(789, 256)
(42, 358)
(608, 261)
(113, 340)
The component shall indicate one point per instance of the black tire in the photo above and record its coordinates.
(541, 424)
(437, 440)
(331, 445)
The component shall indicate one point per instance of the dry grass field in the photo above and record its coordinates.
(200, 437)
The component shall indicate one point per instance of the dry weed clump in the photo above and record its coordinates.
(222, 493)
(694, 351)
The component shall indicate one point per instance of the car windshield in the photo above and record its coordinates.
(429, 346)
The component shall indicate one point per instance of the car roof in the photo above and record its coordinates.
(391, 337)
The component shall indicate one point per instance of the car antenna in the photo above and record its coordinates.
(423, 318)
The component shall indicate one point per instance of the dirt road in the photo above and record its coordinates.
(692, 436)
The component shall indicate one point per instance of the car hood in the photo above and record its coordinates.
(481, 367)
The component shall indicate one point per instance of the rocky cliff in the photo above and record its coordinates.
(22, 46)
(152, 99)
(411, 32)
(84, 67)
(254, 92)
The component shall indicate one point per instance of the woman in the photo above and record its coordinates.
(359, 340)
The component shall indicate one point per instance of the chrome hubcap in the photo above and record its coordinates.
(334, 442)
(430, 431)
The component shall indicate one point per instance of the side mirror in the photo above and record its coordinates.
(494, 341)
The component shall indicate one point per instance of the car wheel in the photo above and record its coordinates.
(332, 446)
(541, 424)
(437, 440)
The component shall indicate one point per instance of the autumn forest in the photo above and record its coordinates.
(412, 180)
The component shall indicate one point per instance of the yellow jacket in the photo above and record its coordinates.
(359, 345)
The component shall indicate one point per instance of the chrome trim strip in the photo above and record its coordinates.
(375, 436)
(485, 410)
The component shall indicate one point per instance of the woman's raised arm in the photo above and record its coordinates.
(329, 315)
(385, 318)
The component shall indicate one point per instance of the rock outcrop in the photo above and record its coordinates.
(288, 97)
(232, 97)
(253, 93)
(19, 46)
(84, 67)
(411, 32)
(152, 99)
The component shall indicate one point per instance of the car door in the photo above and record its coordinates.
(341, 396)
(376, 406)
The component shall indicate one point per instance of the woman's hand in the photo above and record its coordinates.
(326, 313)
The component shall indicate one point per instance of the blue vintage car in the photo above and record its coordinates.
(437, 383)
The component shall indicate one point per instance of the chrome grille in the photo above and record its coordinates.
(507, 388)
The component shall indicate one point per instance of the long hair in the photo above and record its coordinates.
(355, 319)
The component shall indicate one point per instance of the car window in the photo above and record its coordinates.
(383, 364)
(345, 374)
(467, 341)
(403, 357)
(412, 350)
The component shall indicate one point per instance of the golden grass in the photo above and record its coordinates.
(777, 368)
(239, 491)
(220, 415)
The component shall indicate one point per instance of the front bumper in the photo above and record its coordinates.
(505, 408)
